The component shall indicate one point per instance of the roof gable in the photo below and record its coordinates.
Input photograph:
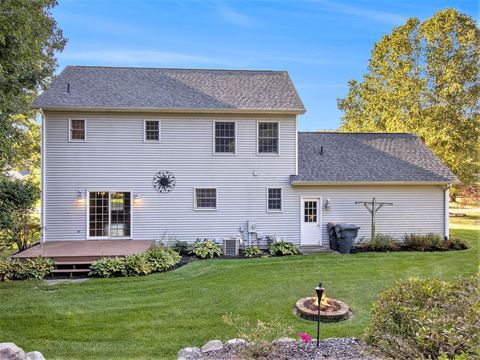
(367, 157)
(171, 90)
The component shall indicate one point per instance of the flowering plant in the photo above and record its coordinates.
(305, 337)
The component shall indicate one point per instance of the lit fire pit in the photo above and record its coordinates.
(330, 309)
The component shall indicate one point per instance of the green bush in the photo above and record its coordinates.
(206, 249)
(382, 243)
(427, 319)
(162, 258)
(182, 247)
(108, 267)
(252, 252)
(156, 259)
(433, 242)
(137, 264)
(282, 248)
(13, 269)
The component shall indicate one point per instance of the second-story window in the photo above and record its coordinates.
(78, 130)
(224, 137)
(268, 138)
(152, 131)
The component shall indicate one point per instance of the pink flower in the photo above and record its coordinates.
(305, 337)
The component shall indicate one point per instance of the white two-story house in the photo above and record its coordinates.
(143, 153)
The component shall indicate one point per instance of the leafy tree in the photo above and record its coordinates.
(29, 40)
(424, 78)
(18, 220)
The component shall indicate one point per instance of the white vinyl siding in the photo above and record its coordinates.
(115, 157)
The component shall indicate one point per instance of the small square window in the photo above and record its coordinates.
(77, 129)
(224, 137)
(152, 130)
(268, 138)
(206, 199)
(274, 199)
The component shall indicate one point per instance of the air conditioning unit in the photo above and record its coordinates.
(230, 247)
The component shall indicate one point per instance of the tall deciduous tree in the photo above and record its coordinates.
(424, 78)
(29, 40)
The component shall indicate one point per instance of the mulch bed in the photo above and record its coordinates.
(331, 349)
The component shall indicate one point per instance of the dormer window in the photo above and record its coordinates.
(225, 137)
(152, 131)
(268, 134)
(77, 130)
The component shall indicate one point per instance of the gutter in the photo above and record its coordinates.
(171, 110)
(347, 183)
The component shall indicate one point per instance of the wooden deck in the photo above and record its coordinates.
(85, 250)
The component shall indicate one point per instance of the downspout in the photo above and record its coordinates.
(42, 174)
(446, 207)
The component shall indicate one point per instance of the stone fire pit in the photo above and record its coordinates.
(331, 310)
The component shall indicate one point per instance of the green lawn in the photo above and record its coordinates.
(156, 315)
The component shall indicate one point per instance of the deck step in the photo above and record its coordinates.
(65, 263)
(68, 271)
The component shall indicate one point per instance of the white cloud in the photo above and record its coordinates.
(234, 17)
(135, 57)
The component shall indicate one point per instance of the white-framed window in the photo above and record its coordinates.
(205, 198)
(77, 130)
(109, 214)
(151, 131)
(274, 199)
(268, 135)
(224, 137)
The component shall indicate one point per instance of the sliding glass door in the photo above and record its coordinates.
(109, 214)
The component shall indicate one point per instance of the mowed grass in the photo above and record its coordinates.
(152, 317)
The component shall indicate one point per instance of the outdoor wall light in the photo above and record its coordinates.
(327, 204)
(80, 195)
(136, 196)
(319, 290)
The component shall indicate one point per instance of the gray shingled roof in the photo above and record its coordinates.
(171, 89)
(367, 157)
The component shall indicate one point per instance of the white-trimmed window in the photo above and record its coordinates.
(151, 130)
(225, 133)
(109, 214)
(274, 199)
(205, 199)
(268, 137)
(77, 130)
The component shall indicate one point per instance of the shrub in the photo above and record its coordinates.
(13, 269)
(427, 319)
(181, 247)
(252, 252)
(382, 243)
(258, 334)
(162, 258)
(137, 264)
(433, 242)
(206, 248)
(281, 248)
(108, 267)
(457, 243)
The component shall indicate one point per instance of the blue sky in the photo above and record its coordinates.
(322, 44)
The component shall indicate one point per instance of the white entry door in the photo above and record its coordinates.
(311, 222)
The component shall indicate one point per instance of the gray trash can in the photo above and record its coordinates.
(332, 236)
(346, 234)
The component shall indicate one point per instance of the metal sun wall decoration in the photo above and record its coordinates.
(164, 181)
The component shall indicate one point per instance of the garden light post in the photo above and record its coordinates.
(319, 289)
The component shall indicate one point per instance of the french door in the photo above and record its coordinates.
(109, 214)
